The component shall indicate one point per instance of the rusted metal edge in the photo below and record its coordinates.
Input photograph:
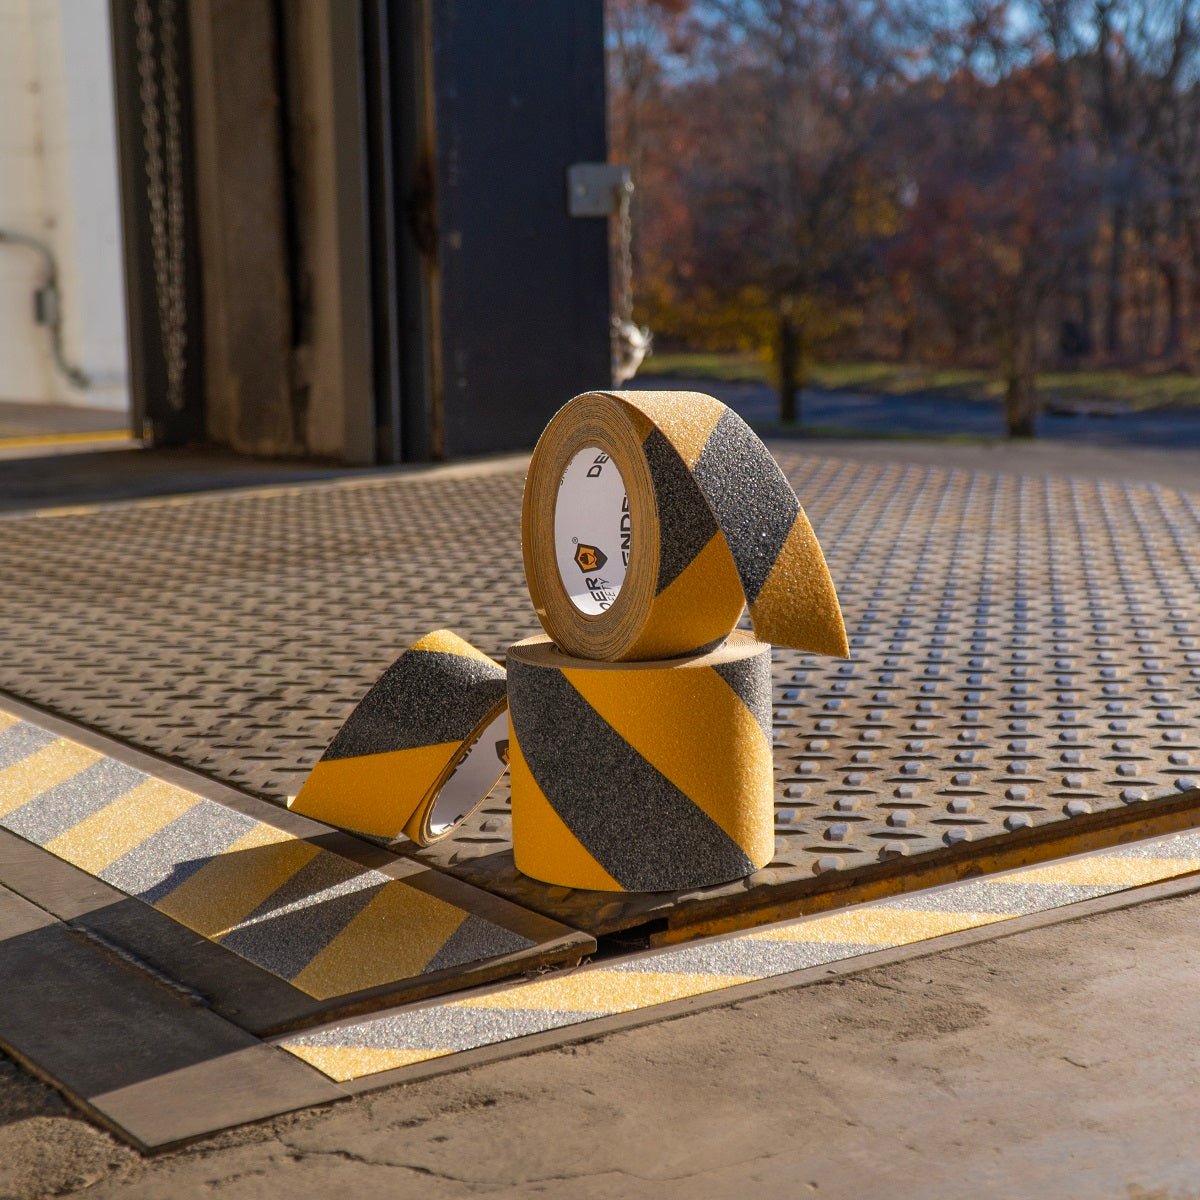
(1058, 839)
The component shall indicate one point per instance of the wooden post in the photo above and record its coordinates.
(247, 321)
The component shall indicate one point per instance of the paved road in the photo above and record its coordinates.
(869, 414)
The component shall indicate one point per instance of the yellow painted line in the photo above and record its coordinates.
(228, 888)
(604, 991)
(879, 926)
(7, 720)
(42, 770)
(1106, 871)
(65, 439)
(349, 1062)
(99, 840)
(395, 935)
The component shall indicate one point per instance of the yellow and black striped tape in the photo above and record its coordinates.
(658, 559)
(421, 750)
(641, 776)
(325, 923)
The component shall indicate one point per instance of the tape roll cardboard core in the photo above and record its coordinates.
(472, 777)
(600, 633)
(593, 531)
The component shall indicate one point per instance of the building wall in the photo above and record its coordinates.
(58, 183)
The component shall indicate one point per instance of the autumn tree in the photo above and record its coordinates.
(643, 38)
(1002, 182)
(799, 99)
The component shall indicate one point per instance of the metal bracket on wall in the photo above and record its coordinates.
(595, 189)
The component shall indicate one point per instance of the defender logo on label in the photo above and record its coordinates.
(589, 558)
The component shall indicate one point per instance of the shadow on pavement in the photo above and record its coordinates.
(47, 479)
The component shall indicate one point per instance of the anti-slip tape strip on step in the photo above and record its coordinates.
(326, 924)
(411, 1036)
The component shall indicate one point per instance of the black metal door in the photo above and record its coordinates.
(503, 297)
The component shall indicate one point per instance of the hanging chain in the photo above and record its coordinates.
(630, 344)
(164, 186)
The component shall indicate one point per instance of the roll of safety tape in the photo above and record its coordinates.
(651, 518)
(422, 749)
(646, 776)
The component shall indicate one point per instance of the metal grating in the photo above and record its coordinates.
(1026, 651)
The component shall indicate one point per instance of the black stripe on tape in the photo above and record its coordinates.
(686, 523)
(750, 679)
(754, 504)
(419, 701)
(646, 833)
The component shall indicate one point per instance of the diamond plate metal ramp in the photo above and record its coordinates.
(1025, 679)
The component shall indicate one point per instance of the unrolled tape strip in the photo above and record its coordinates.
(646, 776)
(422, 749)
(651, 518)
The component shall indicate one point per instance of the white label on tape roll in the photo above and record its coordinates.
(592, 531)
(477, 772)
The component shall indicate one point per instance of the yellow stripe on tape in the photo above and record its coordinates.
(879, 926)
(227, 889)
(604, 991)
(1106, 871)
(688, 419)
(99, 840)
(394, 936)
(42, 770)
(444, 641)
(373, 793)
(792, 583)
(676, 616)
(350, 1062)
(541, 836)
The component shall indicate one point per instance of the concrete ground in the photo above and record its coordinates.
(1058, 1062)
(22, 420)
